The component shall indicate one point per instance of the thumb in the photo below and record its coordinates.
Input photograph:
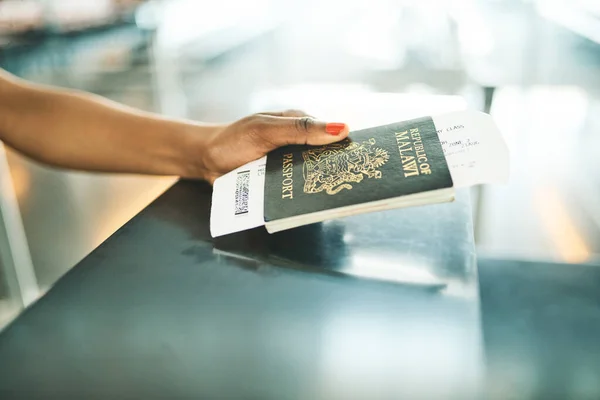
(304, 130)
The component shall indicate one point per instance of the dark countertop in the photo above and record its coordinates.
(157, 312)
(541, 324)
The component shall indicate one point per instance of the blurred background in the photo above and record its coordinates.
(534, 65)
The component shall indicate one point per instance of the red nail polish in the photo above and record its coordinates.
(334, 128)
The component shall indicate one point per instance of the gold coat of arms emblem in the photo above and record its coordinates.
(335, 167)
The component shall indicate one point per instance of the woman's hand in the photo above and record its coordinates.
(250, 138)
(80, 131)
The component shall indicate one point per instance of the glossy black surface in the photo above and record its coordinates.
(157, 312)
(541, 324)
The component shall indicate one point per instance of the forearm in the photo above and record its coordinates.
(80, 131)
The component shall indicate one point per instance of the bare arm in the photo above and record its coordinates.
(76, 130)
(81, 131)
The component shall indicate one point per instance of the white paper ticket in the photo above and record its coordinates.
(474, 148)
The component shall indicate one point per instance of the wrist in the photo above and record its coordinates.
(196, 151)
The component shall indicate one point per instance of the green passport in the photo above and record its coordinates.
(390, 166)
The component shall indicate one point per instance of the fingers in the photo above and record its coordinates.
(284, 130)
(286, 113)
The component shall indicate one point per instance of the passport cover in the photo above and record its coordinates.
(371, 164)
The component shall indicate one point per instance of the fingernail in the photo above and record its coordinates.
(334, 128)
